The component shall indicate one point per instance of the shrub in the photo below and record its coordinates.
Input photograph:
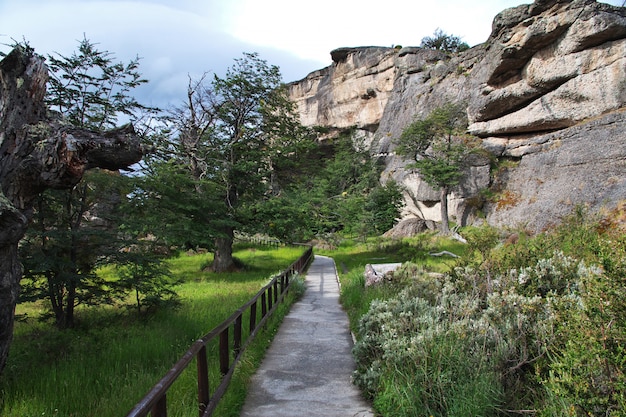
(471, 343)
(587, 371)
(417, 357)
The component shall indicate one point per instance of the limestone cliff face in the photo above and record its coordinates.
(353, 92)
(547, 91)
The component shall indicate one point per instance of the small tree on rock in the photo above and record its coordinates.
(441, 41)
(438, 150)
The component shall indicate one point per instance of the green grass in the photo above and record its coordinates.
(351, 257)
(113, 357)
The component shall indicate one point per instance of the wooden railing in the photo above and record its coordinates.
(155, 402)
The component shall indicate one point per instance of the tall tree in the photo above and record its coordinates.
(438, 149)
(89, 90)
(256, 123)
(36, 154)
(234, 133)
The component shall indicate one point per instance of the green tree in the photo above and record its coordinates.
(143, 272)
(235, 134)
(257, 127)
(382, 207)
(344, 186)
(438, 151)
(71, 234)
(74, 230)
(89, 89)
(441, 41)
(174, 208)
(340, 192)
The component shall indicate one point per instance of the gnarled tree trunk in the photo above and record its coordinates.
(223, 256)
(38, 153)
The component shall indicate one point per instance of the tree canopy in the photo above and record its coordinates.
(89, 89)
(232, 139)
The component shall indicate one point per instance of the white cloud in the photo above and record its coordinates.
(180, 37)
(313, 29)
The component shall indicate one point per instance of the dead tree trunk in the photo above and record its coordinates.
(38, 153)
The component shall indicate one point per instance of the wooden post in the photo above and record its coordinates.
(263, 304)
(160, 408)
(224, 352)
(237, 336)
(253, 308)
(203, 380)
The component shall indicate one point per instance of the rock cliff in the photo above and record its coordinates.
(546, 93)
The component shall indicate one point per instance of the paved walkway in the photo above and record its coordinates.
(307, 369)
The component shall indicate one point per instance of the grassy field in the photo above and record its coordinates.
(113, 357)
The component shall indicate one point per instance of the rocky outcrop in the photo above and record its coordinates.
(584, 165)
(550, 65)
(530, 90)
(352, 93)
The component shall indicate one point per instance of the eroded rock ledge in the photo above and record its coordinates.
(546, 70)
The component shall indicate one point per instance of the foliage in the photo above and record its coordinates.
(432, 372)
(172, 207)
(75, 231)
(90, 90)
(285, 216)
(586, 371)
(235, 136)
(441, 41)
(339, 193)
(143, 273)
(520, 326)
(429, 142)
(438, 153)
(382, 207)
(70, 236)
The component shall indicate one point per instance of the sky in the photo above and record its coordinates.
(178, 39)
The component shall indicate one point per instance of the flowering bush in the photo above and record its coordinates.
(547, 337)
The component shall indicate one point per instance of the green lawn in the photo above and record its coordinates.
(113, 357)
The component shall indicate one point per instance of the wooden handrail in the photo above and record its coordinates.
(155, 401)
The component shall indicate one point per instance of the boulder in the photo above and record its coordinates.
(379, 273)
(411, 226)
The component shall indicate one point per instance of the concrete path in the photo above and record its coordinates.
(307, 369)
